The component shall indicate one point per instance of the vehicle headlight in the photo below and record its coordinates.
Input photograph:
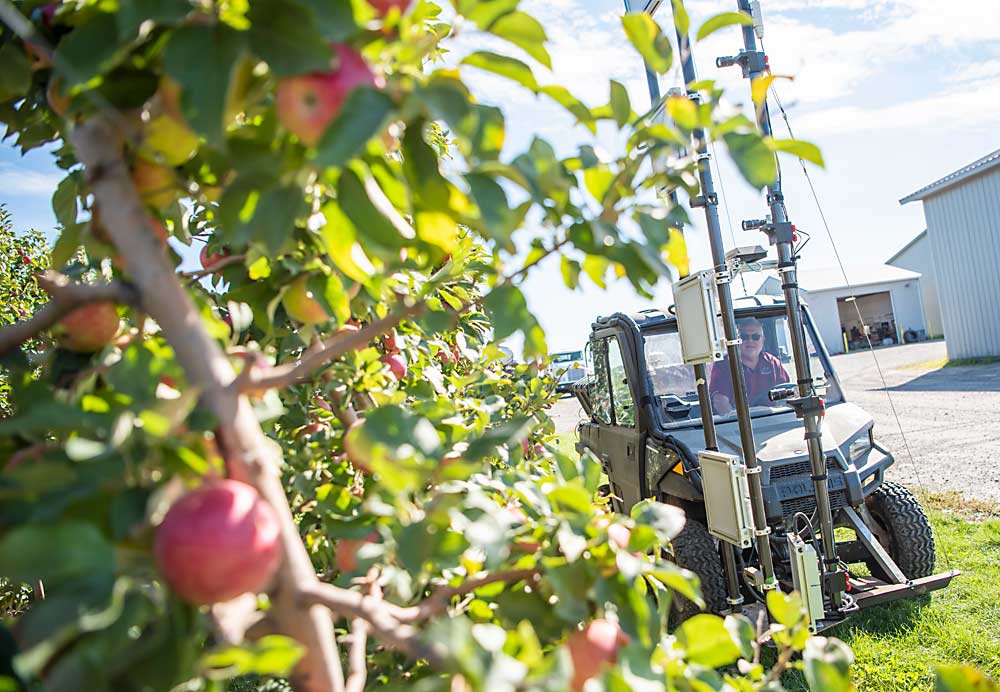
(859, 448)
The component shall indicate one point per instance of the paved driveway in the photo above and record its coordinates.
(950, 417)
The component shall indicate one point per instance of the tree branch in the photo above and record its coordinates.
(251, 456)
(357, 658)
(437, 602)
(342, 342)
(66, 295)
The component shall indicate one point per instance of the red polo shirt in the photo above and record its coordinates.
(759, 380)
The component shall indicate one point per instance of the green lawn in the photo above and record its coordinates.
(897, 646)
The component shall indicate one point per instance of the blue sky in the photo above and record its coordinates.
(897, 93)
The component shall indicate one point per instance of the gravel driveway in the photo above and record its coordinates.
(950, 417)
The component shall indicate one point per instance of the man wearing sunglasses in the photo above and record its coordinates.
(761, 370)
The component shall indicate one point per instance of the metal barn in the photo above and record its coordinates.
(962, 211)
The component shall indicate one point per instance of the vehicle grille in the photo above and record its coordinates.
(798, 468)
(807, 504)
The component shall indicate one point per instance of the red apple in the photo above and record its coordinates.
(322, 403)
(308, 103)
(210, 259)
(392, 342)
(89, 328)
(155, 183)
(218, 542)
(300, 304)
(396, 363)
(382, 7)
(593, 648)
(345, 551)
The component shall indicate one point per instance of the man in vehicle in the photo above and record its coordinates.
(761, 370)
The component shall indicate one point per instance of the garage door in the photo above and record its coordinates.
(876, 313)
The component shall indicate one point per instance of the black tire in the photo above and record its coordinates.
(901, 518)
(696, 550)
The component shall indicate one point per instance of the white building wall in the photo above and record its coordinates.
(906, 309)
(963, 223)
(920, 258)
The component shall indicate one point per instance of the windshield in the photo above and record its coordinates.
(567, 357)
(766, 357)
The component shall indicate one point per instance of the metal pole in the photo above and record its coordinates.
(734, 596)
(809, 409)
(709, 201)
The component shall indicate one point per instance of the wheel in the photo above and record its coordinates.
(696, 550)
(903, 529)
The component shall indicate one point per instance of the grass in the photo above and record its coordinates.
(897, 646)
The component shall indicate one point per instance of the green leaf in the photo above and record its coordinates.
(340, 236)
(273, 654)
(525, 32)
(334, 18)
(132, 13)
(363, 116)
(720, 21)
(680, 580)
(503, 65)
(786, 609)
(682, 111)
(828, 664)
(666, 520)
(575, 106)
(358, 207)
(64, 203)
(707, 641)
(645, 35)
(598, 181)
(499, 220)
(753, 157)
(65, 247)
(962, 678)
(26, 553)
(508, 311)
(682, 22)
(742, 631)
(570, 272)
(202, 60)
(274, 218)
(806, 151)
(621, 108)
(481, 132)
(15, 77)
(90, 50)
(286, 35)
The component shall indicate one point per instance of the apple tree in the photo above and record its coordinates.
(309, 458)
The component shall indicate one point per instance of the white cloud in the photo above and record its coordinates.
(21, 181)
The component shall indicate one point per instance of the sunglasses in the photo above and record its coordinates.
(756, 336)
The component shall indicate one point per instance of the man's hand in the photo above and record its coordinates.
(721, 404)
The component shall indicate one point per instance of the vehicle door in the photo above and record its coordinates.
(614, 404)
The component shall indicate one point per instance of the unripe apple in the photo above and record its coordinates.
(357, 447)
(593, 648)
(167, 136)
(308, 103)
(345, 551)
(396, 363)
(382, 7)
(300, 304)
(155, 183)
(89, 328)
(218, 542)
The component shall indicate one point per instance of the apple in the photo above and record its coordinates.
(593, 648)
(382, 7)
(345, 551)
(396, 363)
(89, 328)
(357, 447)
(300, 304)
(308, 103)
(210, 259)
(58, 99)
(156, 184)
(392, 342)
(217, 542)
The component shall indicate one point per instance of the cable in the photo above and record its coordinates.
(871, 348)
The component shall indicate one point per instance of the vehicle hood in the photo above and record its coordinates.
(779, 437)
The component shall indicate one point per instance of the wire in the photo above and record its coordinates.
(854, 301)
